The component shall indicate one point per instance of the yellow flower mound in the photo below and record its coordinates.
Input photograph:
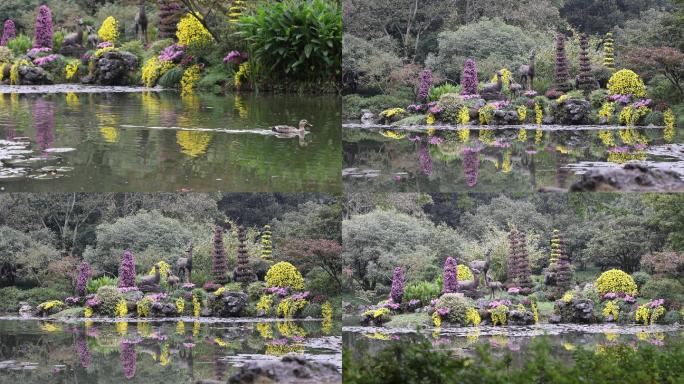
(265, 303)
(649, 316)
(284, 275)
(567, 297)
(2, 70)
(88, 312)
(436, 319)
(180, 305)
(388, 113)
(375, 313)
(109, 31)
(196, 306)
(190, 77)
(535, 312)
(326, 314)
(669, 119)
(616, 281)
(499, 315)
(121, 308)
(522, 113)
(191, 32)
(102, 51)
(219, 291)
(607, 110)
(626, 82)
(289, 307)
(630, 116)
(506, 76)
(70, 70)
(538, 114)
(464, 273)
(430, 119)
(611, 309)
(463, 115)
(164, 270)
(143, 307)
(46, 306)
(241, 74)
(473, 317)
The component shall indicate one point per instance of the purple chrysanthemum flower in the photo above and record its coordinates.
(105, 44)
(127, 270)
(398, 282)
(82, 278)
(435, 140)
(9, 32)
(450, 276)
(172, 53)
(43, 28)
(642, 103)
(424, 85)
(443, 311)
(469, 78)
(45, 60)
(236, 57)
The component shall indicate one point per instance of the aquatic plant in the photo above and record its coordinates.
(191, 32)
(43, 28)
(425, 83)
(266, 245)
(616, 281)
(109, 31)
(626, 82)
(450, 276)
(398, 285)
(284, 275)
(127, 270)
(469, 78)
(9, 32)
(82, 278)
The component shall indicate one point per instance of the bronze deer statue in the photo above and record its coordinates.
(526, 71)
(184, 265)
(75, 38)
(141, 22)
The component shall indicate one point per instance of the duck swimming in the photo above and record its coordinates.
(289, 129)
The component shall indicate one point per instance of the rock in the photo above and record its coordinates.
(503, 117)
(229, 304)
(73, 50)
(290, 369)
(29, 75)
(631, 178)
(554, 319)
(571, 112)
(367, 117)
(25, 310)
(146, 288)
(113, 68)
(579, 311)
(516, 317)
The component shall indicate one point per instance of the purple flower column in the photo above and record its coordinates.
(84, 355)
(425, 160)
(425, 85)
(44, 114)
(82, 279)
(128, 358)
(127, 270)
(471, 165)
(9, 32)
(398, 283)
(43, 30)
(469, 78)
(450, 276)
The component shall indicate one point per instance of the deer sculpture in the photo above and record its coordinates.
(141, 22)
(184, 265)
(526, 71)
(75, 38)
(173, 281)
(494, 88)
(93, 40)
(151, 281)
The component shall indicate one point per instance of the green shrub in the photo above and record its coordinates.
(353, 105)
(424, 291)
(9, 299)
(109, 297)
(215, 77)
(312, 310)
(597, 98)
(135, 47)
(654, 118)
(641, 278)
(457, 306)
(6, 55)
(255, 290)
(319, 282)
(20, 44)
(171, 78)
(672, 317)
(295, 39)
(436, 93)
(663, 288)
(95, 284)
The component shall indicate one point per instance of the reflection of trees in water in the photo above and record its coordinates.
(471, 165)
(83, 351)
(425, 159)
(44, 112)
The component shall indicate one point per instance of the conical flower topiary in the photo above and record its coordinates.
(518, 260)
(170, 12)
(266, 245)
(243, 272)
(219, 265)
(43, 28)
(561, 74)
(425, 85)
(398, 284)
(450, 276)
(585, 81)
(9, 32)
(82, 278)
(127, 270)
(562, 266)
(609, 51)
(469, 78)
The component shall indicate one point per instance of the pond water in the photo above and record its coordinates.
(162, 141)
(34, 351)
(563, 338)
(501, 160)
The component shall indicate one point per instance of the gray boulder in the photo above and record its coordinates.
(576, 311)
(630, 178)
(290, 369)
(228, 304)
(113, 68)
(571, 112)
(29, 75)
(516, 317)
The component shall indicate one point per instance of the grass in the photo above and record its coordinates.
(409, 320)
(545, 309)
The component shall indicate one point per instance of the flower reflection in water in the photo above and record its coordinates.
(193, 143)
(471, 165)
(83, 351)
(44, 113)
(128, 357)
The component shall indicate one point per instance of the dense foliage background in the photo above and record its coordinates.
(44, 237)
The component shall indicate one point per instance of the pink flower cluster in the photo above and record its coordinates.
(157, 296)
(35, 51)
(443, 311)
(72, 300)
(105, 44)
(500, 104)
(45, 60)
(280, 291)
(236, 57)
(496, 303)
(188, 285)
(622, 99)
(93, 302)
(300, 296)
(128, 289)
(642, 103)
(172, 53)
(413, 302)
(9, 32)
(391, 305)
(656, 303)
(530, 93)
(514, 290)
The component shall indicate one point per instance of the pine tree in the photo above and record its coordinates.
(586, 80)
(170, 13)
(518, 260)
(562, 75)
(266, 246)
(243, 272)
(218, 258)
(609, 51)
